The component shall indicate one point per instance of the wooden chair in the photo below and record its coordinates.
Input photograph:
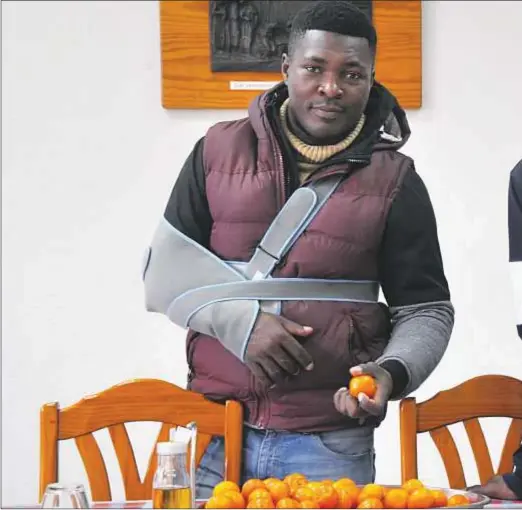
(134, 401)
(480, 397)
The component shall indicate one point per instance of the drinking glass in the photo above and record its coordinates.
(58, 495)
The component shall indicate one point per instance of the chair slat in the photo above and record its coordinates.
(48, 446)
(94, 466)
(163, 435)
(513, 440)
(202, 442)
(127, 462)
(480, 449)
(408, 431)
(233, 441)
(450, 456)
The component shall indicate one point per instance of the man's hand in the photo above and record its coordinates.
(273, 353)
(363, 407)
(496, 488)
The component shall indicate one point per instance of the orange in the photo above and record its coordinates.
(220, 501)
(287, 503)
(278, 490)
(344, 482)
(439, 498)
(412, 485)
(291, 478)
(309, 503)
(261, 503)
(259, 493)
(371, 503)
(238, 501)
(353, 492)
(250, 485)
(371, 490)
(225, 486)
(346, 498)
(458, 500)
(421, 498)
(362, 384)
(327, 481)
(303, 493)
(268, 481)
(296, 483)
(325, 494)
(396, 498)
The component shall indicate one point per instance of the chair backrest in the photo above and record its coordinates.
(137, 400)
(480, 397)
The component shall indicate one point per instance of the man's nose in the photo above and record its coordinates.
(330, 87)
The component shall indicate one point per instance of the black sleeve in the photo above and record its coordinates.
(515, 213)
(187, 209)
(410, 262)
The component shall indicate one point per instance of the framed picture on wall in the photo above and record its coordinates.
(222, 53)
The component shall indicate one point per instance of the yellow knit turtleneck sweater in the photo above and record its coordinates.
(311, 156)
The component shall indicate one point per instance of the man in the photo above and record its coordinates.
(328, 134)
(509, 486)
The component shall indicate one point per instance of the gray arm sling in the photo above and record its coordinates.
(196, 289)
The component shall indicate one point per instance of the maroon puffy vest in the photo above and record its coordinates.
(244, 184)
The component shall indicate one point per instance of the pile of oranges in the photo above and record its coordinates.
(295, 491)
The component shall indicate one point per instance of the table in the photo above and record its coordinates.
(109, 505)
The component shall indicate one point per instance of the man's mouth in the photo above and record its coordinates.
(328, 112)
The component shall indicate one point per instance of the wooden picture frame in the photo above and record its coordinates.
(188, 82)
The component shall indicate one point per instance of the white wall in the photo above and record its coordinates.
(89, 157)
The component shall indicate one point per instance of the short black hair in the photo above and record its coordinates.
(338, 16)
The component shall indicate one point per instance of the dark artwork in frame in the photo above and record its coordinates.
(251, 35)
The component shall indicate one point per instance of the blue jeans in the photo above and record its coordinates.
(268, 453)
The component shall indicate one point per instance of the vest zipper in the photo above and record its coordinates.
(285, 177)
(336, 167)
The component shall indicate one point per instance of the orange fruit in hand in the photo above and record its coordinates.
(412, 485)
(219, 501)
(278, 490)
(238, 501)
(250, 485)
(362, 384)
(396, 498)
(225, 486)
(458, 500)
(287, 503)
(439, 498)
(371, 503)
(421, 498)
(371, 490)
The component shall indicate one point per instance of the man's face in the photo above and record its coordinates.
(329, 77)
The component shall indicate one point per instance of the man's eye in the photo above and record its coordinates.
(313, 69)
(353, 76)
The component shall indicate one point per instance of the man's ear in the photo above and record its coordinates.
(285, 64)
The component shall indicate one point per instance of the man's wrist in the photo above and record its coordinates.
(398, 374)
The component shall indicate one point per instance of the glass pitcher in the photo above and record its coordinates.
(172, 484)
